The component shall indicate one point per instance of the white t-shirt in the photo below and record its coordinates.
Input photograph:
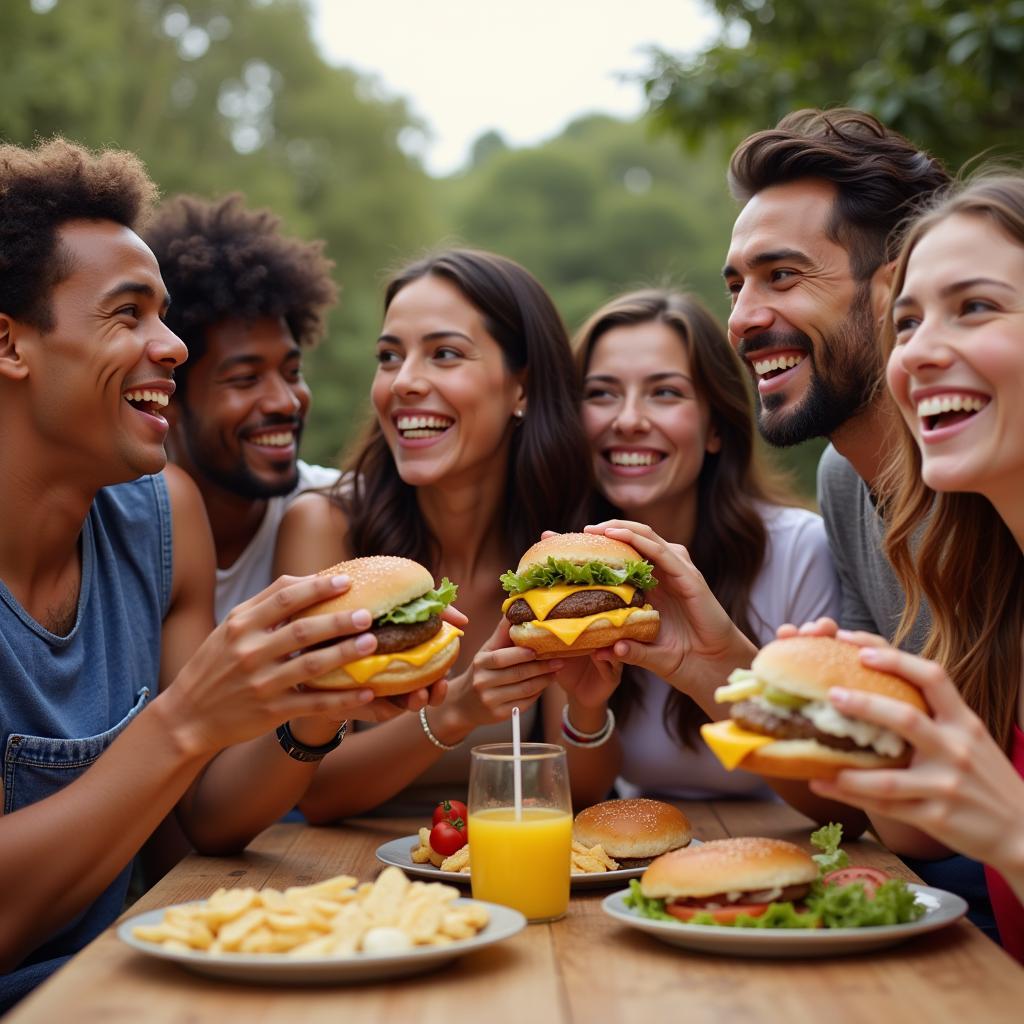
(797, 583)
(254, 567)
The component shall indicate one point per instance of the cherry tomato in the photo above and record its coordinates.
(449, 810)
(723, 915)
(870, 878)
(448, 836)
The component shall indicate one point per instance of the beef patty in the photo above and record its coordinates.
(393, 637)
(575, 606)
(757, 718)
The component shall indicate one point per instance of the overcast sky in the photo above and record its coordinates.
(524, 68)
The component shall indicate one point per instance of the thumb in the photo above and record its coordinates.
(499, 638)
(630, 652)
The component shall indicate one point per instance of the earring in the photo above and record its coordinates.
(519, 413)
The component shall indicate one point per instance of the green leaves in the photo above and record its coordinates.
(433, 602)
(827, 839)
(647, 907)
(558, 570)
(850, 906)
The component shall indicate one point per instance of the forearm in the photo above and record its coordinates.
(592, 770)
(110, 811)
(906, 840)
(819, 809)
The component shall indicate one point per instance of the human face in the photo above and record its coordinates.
(648, 428)
(100, 380)
(957, 369)
(443, 394)
(243, 411)
(804, 327)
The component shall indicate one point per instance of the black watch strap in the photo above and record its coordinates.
(302, 751)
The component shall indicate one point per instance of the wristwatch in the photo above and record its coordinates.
(302, 751)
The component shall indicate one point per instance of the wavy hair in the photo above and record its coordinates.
(953, 549)
(549, 476)
(729, 544)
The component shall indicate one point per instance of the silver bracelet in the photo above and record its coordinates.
(430, 734)
(576, 738)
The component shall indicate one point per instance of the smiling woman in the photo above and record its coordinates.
(475, 449)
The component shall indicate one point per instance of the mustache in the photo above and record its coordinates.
(769, 341)
(275, 423)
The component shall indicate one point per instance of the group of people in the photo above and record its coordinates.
(152, 692)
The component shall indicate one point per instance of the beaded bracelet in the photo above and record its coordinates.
(430, 734)
(587, 739)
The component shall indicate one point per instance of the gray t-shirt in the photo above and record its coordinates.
(872, 599)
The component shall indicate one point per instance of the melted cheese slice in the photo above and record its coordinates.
(567, 630)
(731, 743)
(542, 599)
(366, 668)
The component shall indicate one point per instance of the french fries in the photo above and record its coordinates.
(335, 917)
(585, 860)
(591, 860)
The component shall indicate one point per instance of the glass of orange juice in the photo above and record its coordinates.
(521, 861)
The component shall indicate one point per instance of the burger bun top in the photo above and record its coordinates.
(633, 829)
(809, 666)
(745, 864)
(379, 584)
(580, 548)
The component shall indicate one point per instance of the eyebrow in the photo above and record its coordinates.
(432, 336)
(771, 256)
(136, 288)
(651, 377)
(952, 289)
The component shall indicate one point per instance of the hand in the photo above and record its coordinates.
(698, 644)
(829, 627)
(589, 681)
(960, 787)
(244, 679)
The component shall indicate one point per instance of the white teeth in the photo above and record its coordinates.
(937, 404)
(278, 440)
(633, 458)
(160, 398)
(423, 423)
(763, 366)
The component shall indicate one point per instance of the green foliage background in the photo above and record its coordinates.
(225, 95)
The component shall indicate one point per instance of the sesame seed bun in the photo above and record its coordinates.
(580, 548)
(746, 864)
(633, 829)
(642, 625)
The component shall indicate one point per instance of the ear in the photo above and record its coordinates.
(520, 407)
(881, 290)
(12, 363)
(713, 442)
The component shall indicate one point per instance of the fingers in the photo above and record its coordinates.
(823, 626)
(316, 662)
(786, 630)
(287, 596)
(896, 715)
(500, 638)
(860, 637)
(939, 691)
(452, 615)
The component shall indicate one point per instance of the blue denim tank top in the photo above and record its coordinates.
(65, 699)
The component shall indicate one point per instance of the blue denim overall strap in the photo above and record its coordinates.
(64, 699)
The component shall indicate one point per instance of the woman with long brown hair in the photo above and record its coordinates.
(475, 448)
(955, 505)
(670, 420)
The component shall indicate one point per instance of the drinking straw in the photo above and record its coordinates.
(517, 765)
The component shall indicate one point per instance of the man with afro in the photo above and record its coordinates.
(247, 301)
(120, 702)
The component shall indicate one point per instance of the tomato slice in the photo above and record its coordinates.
(870, 878)
(723, 915)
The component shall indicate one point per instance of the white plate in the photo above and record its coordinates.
(942, 908)
(281, 969)
(399, 853)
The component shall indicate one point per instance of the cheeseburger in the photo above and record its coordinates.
(415, 647)
(575, 592)
(725, 878)
(782, 723)
(633, 832)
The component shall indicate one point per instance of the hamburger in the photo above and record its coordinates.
(415, 647)
(782, 724)
(633, 832)
(719, 881)
(575, 592)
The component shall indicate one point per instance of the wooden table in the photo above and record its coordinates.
(585, 968)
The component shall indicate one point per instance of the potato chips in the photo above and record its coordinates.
(585, 860)
(335, 917)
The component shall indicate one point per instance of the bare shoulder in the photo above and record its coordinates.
(313, 533)
(186, 501)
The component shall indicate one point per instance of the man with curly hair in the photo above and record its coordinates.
(118, 703)
(247, 301)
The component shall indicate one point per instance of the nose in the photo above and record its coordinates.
(749, 315)
(409, 380)
(166, 348)
(925, 349)
(279, 396)
(631, 419)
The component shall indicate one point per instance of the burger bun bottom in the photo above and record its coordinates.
(809, 759)
(642, 625)
(397, 677)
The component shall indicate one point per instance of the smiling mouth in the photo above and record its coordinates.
(773, 366)
(417, 427)
(275, 439)
(151, 402)
(631, 457)
(947, 410)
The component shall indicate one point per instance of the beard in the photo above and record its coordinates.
(846, 373)
(237, 478)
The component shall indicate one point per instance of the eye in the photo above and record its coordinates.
(780, 275)
(244, 381)
(905, 325)
(596, 392)
(445, 354)
(733, 287)
(388, 357)
(976, 306)
(131, 310)
(667, 391)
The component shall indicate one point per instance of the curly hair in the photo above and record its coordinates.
(220, 260)
(40, 190)
(880, 176)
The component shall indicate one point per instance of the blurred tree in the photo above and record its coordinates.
(946, 73)
(219, 95)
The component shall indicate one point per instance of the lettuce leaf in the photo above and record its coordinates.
(433, 602)
(645, 906)
(827, 839)
(558, 570)
(849, 906)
